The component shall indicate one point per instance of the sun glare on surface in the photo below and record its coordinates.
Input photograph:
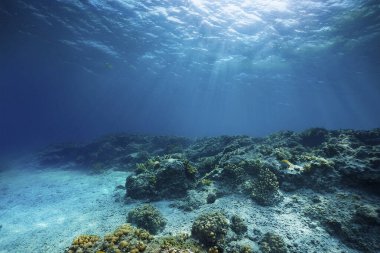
(235, 7)
(238, 15)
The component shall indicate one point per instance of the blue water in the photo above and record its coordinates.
(71, 70)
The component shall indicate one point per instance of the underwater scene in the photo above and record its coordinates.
(189, 126)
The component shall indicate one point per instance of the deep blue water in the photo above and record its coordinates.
(71, 70)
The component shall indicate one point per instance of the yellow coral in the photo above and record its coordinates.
(83, 242)
(84, 239)
(134, 250)
(287, 162)
(213, 250)
(291, 166)
(141, 246)
(123, 244)
(206, 182)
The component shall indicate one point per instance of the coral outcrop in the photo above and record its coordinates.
(273, 243)
(333, 178)
(84, 244)
(210, 228)
(161, 178)
(238, 225)
(147, 217)
(126, 238)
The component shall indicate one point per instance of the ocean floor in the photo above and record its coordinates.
(298, 190)
(41, 209)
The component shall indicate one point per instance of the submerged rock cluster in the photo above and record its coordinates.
(336, 173)
(159, 178)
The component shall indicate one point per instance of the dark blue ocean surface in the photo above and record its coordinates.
(71, 70)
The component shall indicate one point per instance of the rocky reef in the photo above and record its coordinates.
(330, 179)
(159, 178)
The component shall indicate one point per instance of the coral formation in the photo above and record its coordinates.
(238, 225)
(141, 186)
(232, 174)
(179, 243)
(84, 244)
(122, 150)
(340, 168)
(210, 228)
(273, 243)
(162, 178)
(147, 217)
(124, 239)
(264, 190)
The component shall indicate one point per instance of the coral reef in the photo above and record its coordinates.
(114, 150)
(324, 158)
(126, 238)
(210, 228)
(265, 188)
(238, 225)
(180, 244)
(147, 217)
(346, 217)
(84, 244)
(232, 174)
(340, 167)
(161, 178)
(273, 243)
(141, 186)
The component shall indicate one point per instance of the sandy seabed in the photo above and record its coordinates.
(43, 209)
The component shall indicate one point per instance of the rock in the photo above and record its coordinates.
(192, 201)
(211, 198)
(367, 215)
(142, 186)
(314, 137)
(356, 226)
(164, 178)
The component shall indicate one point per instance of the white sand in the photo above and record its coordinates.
(43, 210)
